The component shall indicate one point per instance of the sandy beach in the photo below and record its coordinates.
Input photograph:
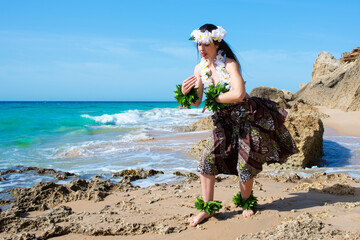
(344, 123)
(321, 206)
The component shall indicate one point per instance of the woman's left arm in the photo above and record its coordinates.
(237, 92)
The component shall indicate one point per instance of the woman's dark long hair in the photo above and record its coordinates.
(222, 45)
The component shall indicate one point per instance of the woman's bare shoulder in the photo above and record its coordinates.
(197, 69)
(230, 61)
(231, 64)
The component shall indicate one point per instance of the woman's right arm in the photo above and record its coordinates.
(194, 81)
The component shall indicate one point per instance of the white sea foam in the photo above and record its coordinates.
(129, 117)
(92, 149)
(152, 118)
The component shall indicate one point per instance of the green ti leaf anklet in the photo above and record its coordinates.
(210, 207)
(246, 204)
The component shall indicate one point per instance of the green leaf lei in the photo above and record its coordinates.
(188, 99)
(212, 92)
(210, 207)
(248, 203)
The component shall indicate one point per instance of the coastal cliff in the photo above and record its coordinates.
(334, 84)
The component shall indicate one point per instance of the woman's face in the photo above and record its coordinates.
(207, 51)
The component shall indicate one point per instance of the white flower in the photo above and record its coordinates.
(206, 78)
(220, 58)
(220, 64)
(195, 34)
(220, 33)
(201, 37)
(208, 37)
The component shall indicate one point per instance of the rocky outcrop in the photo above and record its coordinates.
(201, 125)
(282, 97)
(307, 129)
(45, 195)
(333, 84)
(350, 57)
(197, 149)
(288, 96)
(129, 175)
(282, 103)
(58, 175)
(305, 109)
(324, 65)
(267, 92)
(189, 176)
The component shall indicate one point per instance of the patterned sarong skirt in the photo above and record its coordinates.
(247, 135)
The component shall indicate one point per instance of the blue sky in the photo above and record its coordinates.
(138, 50)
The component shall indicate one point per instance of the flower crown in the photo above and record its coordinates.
(208, 37)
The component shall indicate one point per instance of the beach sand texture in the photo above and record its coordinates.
(321, 206)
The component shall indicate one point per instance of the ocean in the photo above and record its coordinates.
(90, 138)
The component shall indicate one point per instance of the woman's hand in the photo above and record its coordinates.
(188, 84)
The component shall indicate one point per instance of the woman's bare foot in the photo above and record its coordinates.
(193, 221)
(247, 213)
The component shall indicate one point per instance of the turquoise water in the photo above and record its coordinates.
(25, 124)
(89, 138)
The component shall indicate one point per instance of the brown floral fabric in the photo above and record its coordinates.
(247, 135)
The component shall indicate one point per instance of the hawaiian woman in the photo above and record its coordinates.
(248, 132)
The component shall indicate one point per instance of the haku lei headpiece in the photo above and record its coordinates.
(208, 37)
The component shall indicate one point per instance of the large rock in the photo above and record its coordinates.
(288, 96)
(305, 109)
(351, 57)
(334, 85)
(325, 64)
(201, 125)
(280, 96)
(267, 92)
(197, 149)
(306, 127)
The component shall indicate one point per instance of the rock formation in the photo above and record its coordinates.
(350, 57)
(324, 65)
(282, 97)
(45, 195)
(333, 84)
(307, 129)
(58, 175)
(201, 125)
(197, 149)
(267, 92)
